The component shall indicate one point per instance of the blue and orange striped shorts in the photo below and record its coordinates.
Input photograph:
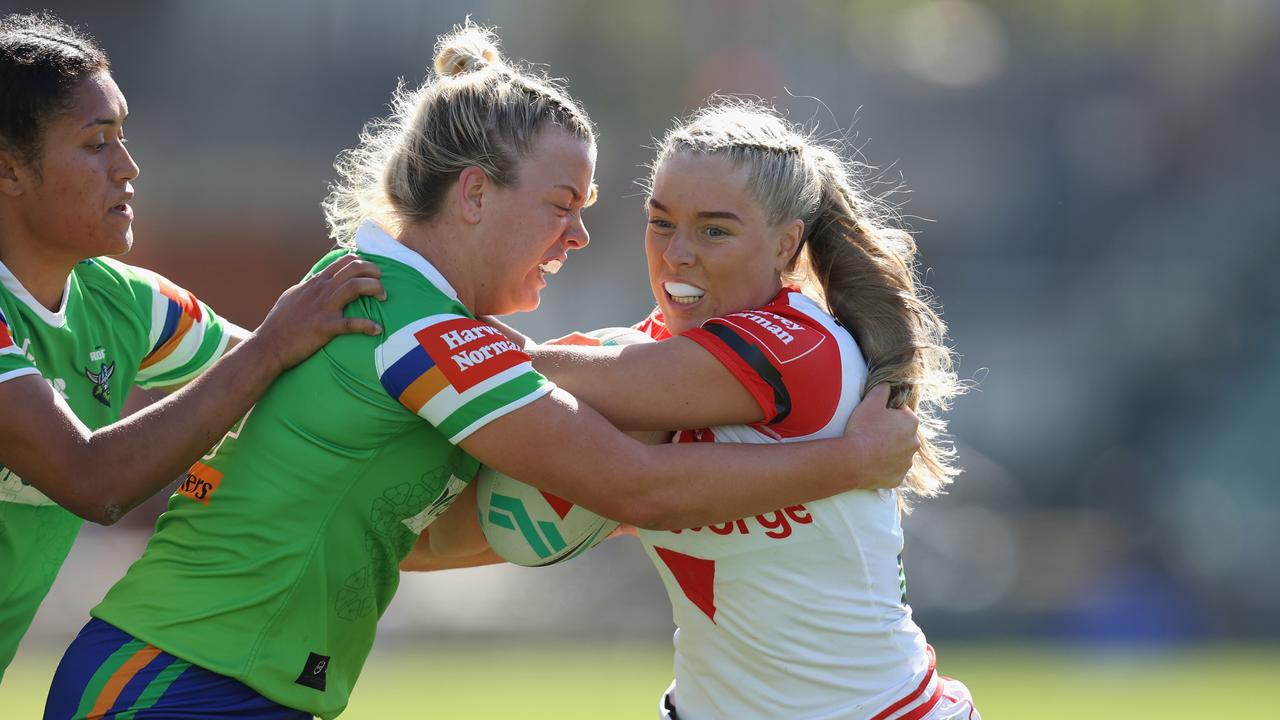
(109, 674)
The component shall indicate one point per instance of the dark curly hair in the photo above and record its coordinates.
(42, 60)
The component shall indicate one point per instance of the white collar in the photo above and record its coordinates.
(15, 286)
(372, 239)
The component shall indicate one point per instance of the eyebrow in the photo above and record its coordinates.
(105, 121)
(592, 192)
(710, 214)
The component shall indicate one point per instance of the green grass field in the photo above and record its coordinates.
(579, 682)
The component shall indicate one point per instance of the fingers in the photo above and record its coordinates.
(336, 266)
(361, 325)
(878, 396)
(353, 267)
(356, 287)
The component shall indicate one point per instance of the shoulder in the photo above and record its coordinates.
(108, 274)
(804, 367)
(791, 332)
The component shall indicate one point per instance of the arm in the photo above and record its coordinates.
(673, 384)
(235, 335)
(687, 485)
(454, 540)
(100, 475)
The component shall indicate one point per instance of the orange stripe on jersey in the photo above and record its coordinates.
(184, 298)
(115, 684)
(165, 350)
(421, 391)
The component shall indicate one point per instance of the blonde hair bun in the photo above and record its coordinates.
(469, 48)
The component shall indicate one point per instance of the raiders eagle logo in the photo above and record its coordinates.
(101, 382)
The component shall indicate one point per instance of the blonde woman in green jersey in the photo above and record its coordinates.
(79, 330)
(259, 594)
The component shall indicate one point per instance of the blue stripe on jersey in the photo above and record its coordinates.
(404, 371)
(170, 324)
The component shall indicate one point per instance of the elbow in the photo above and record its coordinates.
(110, 514)
(99, 513)
(647, 510)
(101, 508)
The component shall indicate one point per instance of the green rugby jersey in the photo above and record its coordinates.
(118, 326)
(281, 550)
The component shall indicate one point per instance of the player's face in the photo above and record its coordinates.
(77, 202)
(536, 222)
(710, 249)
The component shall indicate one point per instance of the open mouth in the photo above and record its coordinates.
(551, 267)
(682, 293)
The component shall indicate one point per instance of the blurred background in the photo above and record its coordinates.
(1088, 182)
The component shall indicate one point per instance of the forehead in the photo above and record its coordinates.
(560, 158)
(700, 181)
(95, 101)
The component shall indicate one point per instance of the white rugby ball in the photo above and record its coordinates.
(529, 527)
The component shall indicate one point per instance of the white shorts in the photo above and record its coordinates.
(949, 700)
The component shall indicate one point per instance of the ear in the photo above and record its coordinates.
(470, 191)
(14, 174)
(789, 243)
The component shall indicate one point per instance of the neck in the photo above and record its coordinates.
(446, 249)
(43, 274)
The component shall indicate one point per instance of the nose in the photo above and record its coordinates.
(678, 253)
(126, 169)
(576, 236)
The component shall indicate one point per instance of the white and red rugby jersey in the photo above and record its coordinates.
(799, 612)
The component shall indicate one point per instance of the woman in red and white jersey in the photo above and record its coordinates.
(783, 293)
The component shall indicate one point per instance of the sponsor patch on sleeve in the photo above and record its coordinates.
(782, 339)
(469, 352)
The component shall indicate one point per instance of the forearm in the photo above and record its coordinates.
(691, 485)
(425, 561)
(127, 462)
(512, 334)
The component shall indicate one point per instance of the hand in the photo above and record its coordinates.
(887, 440)
(309, 314)
(623, 529)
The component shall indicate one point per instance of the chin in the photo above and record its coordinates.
(118, 245)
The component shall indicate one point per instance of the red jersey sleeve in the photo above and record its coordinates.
(786, 359)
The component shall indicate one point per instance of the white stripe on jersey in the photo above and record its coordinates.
(516, 404)
(403, 341)
(18, 373)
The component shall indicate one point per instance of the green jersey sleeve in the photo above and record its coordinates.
(184, 337)
(457, 373)
(13, 361)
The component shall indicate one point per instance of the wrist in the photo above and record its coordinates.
(262, 354)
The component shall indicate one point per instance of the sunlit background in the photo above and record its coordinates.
(1093, 188)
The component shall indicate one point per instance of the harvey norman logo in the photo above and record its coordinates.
(469, 352)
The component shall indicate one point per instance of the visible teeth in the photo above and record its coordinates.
(551, 267)
(683, 294)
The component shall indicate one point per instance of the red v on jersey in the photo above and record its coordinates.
(696, 577)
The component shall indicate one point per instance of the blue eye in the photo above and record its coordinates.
(717, 232)
(661, 224)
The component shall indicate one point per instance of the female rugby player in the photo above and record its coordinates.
(259, 593)
(79, 330)
(782, 293)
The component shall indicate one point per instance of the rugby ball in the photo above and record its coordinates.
(530, 527)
